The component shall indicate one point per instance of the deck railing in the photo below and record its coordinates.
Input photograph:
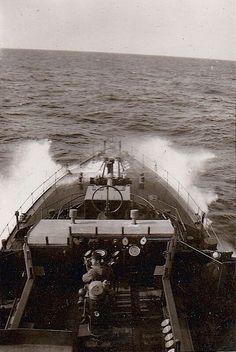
(169, 179)
(164, 175)
(181, 191)
(31, 199)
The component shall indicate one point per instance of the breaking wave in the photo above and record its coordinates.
(31, 164)
(184, 168)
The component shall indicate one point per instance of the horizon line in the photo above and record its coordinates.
(121, 53)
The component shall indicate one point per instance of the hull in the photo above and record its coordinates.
(169, 276)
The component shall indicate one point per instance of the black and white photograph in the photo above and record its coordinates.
(117, 175)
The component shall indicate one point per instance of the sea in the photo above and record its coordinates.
(58, 106)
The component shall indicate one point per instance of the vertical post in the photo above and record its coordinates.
(119, 147)
(70, 238)
(118, 161)
(28, 261)
(104, 146)
(169, 259)
(177, 345)
(17, 219)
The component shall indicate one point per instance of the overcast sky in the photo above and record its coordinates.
(193, 28)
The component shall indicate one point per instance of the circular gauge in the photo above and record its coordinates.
(95, 289)
(125, 241)
(216, 255)
(102, 252)
(134, 250)
(143, 241)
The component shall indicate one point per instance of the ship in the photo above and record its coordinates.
(166, 282)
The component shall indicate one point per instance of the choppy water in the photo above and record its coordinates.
(180, 110)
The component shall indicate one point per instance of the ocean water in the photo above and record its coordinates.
(56, 107)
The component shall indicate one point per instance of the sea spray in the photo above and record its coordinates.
(31, 164)
(182, 169)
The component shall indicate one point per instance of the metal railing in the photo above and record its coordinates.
(31, 199)
(181, 191)
(164, 175)
(169, 179)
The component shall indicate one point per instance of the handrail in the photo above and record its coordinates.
(164, 174)
(201, 252)
(32, 198)
(152, 164)
(169, 179)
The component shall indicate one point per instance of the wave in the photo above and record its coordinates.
(185, 167)
(30, 165)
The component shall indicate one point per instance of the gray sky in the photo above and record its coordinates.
(193, 28)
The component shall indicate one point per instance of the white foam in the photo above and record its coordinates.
(185, 167)
(31, 165)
